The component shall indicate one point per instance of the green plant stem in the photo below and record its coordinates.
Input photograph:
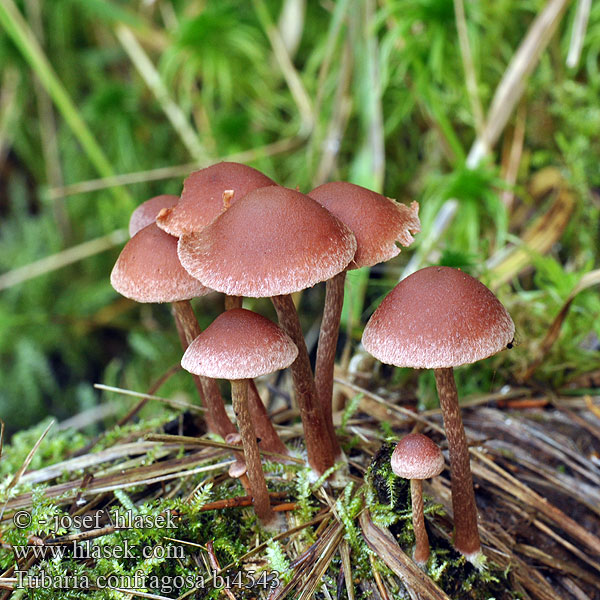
(154, 81)
(297, 89)
(62, 259)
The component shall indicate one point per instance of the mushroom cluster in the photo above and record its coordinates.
(235, 231)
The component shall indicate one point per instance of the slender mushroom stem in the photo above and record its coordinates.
(328, 337)
(216, 417)
(318, 444)
(269, 440)
(466, 535)
(233, 302)
(258, 485)
(421, 551)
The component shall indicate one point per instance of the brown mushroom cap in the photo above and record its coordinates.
(417, 457)
(273, 241)
(438, 317)
(202, 197)
(148, 269)
(239, 344)
(377, 222)
(146, 212)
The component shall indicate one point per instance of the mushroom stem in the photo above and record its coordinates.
(328, 338)
(216, 417)
(233, 302)
(269, 440)
(318, 445)
(466, 535)
(421, 551)
(258, 485)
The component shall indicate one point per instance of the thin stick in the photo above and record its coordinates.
(62, 259)
(578, 32)
(17, 476)
(294, 83)
(168, 401)
(93, 185)
(511, 87)
(154, 81)
(468, 65)
(191, 441)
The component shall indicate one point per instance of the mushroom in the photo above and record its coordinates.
(148, 270)
(378, 223)
(239, 345)
(202, 198)
(146, 212)
(272, 242)
(417, 457)
(439, 318)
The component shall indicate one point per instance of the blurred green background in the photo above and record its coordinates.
(379, 93)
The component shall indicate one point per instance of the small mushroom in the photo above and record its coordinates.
(240, 345)
(417, 457)
(440, 318)
(148, 270)
(238, 468)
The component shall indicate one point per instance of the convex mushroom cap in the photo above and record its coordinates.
(146, 212)
(273, 241)
(377, 222)
(417, 457)
(239, 344)
(202, 196)
(148, 270)
(438, 317)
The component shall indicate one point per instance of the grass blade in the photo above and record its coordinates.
(22, 36)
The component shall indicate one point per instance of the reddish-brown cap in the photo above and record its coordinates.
(148, 269)
(377, 222)
(435, 318)
(417, 457)
(146, 212)
(239, 344)
(274, 241)
(202, 198)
